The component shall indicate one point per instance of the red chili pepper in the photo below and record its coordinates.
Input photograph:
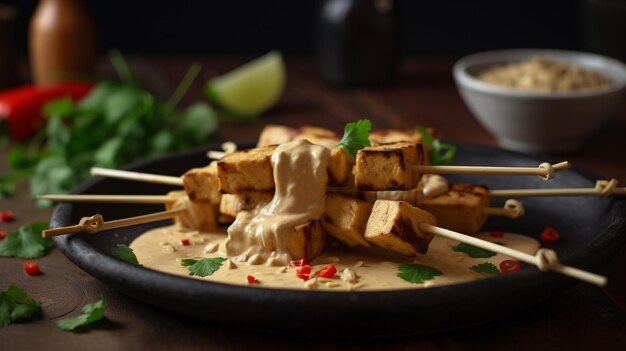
(184, 242)
(252, 279)
(3, 234)
(6, 216)
(497, 233)
(509, 266)
(303, 272)
(22, 107)
(298, 263)
(31, 268)
(550, 235)
(328, 271)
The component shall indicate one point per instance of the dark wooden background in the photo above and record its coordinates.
(583, 317)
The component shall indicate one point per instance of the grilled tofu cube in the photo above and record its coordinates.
(246, 171)
(394, 225)
(345, 219)
(232, 204)
(460, 209)
(307, 240)
(388, 166)
(317, 135)
(340, 167)
(199, 215)
(394, 135)
(275, 134)
(202, 185)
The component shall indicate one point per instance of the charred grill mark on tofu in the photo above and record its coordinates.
(403, 228)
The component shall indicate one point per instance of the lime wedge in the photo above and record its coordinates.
(250, 89)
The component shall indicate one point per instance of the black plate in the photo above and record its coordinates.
(592, 228)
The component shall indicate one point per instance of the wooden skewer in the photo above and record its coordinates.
(228, 147)
(545, 170)
(512, 209)
(602, 188)
(139, 176)
(130, 199)
(544, 259)
(94, 224)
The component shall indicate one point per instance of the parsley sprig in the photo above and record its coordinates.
(26, 242)
(417, 273)
(356, 136)
(485, 268)
(16, 305)
(91, 313)
(440, 153)
(203, 267)
(473, 251)
(125, 253)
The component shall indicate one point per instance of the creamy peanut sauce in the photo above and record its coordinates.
(369, 268)
(434, 185)
(256, 243)
(300, 177)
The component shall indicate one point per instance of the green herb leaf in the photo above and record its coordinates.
(485, 268)
(473, 251)
(356, 136)
(417, 273)
(59, 107)
(203, 267)
(8, 185)
(440, 153)
(26, 242)
(124, 253)
(15, 305)
(91, 313)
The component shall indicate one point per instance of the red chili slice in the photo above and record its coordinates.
(3, 234)
(550, 235)
(509, 266)
(6, 216)
(252, 279)
(497, 233)
(298, 263)
(328, 271)
(184, 242)
(31, 268)
(303, 272)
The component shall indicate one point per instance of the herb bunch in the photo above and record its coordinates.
(116, 123)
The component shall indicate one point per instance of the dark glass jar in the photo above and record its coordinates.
(358, 41)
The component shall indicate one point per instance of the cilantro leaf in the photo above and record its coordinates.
(124, 253)
(417, 273)
(473, 251)
(91, 313)
(485, 268)
(15, 305)
(26, 242)
(8, 185)
(440, 153)
(356, 136)
(203, 267)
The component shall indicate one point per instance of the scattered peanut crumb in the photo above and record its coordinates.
(357, 264)
(282, 269)
(349, 276)
(311, 283)
(210, 248)
(231, 265)
(332, 284)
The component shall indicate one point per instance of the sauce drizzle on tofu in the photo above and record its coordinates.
(288, 223)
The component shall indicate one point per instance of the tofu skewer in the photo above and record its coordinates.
(96, 223)
(545, 259)
(408, 230)
(138, 176)
(128, 199)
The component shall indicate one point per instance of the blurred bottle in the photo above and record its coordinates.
(62, 41)
(604, 27)
(358, 41)
(8, 69)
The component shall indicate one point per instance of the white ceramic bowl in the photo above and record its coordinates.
(539, 121)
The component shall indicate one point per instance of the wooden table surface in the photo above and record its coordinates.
(584, 317)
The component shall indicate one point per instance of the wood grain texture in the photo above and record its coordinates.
(584, 317)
